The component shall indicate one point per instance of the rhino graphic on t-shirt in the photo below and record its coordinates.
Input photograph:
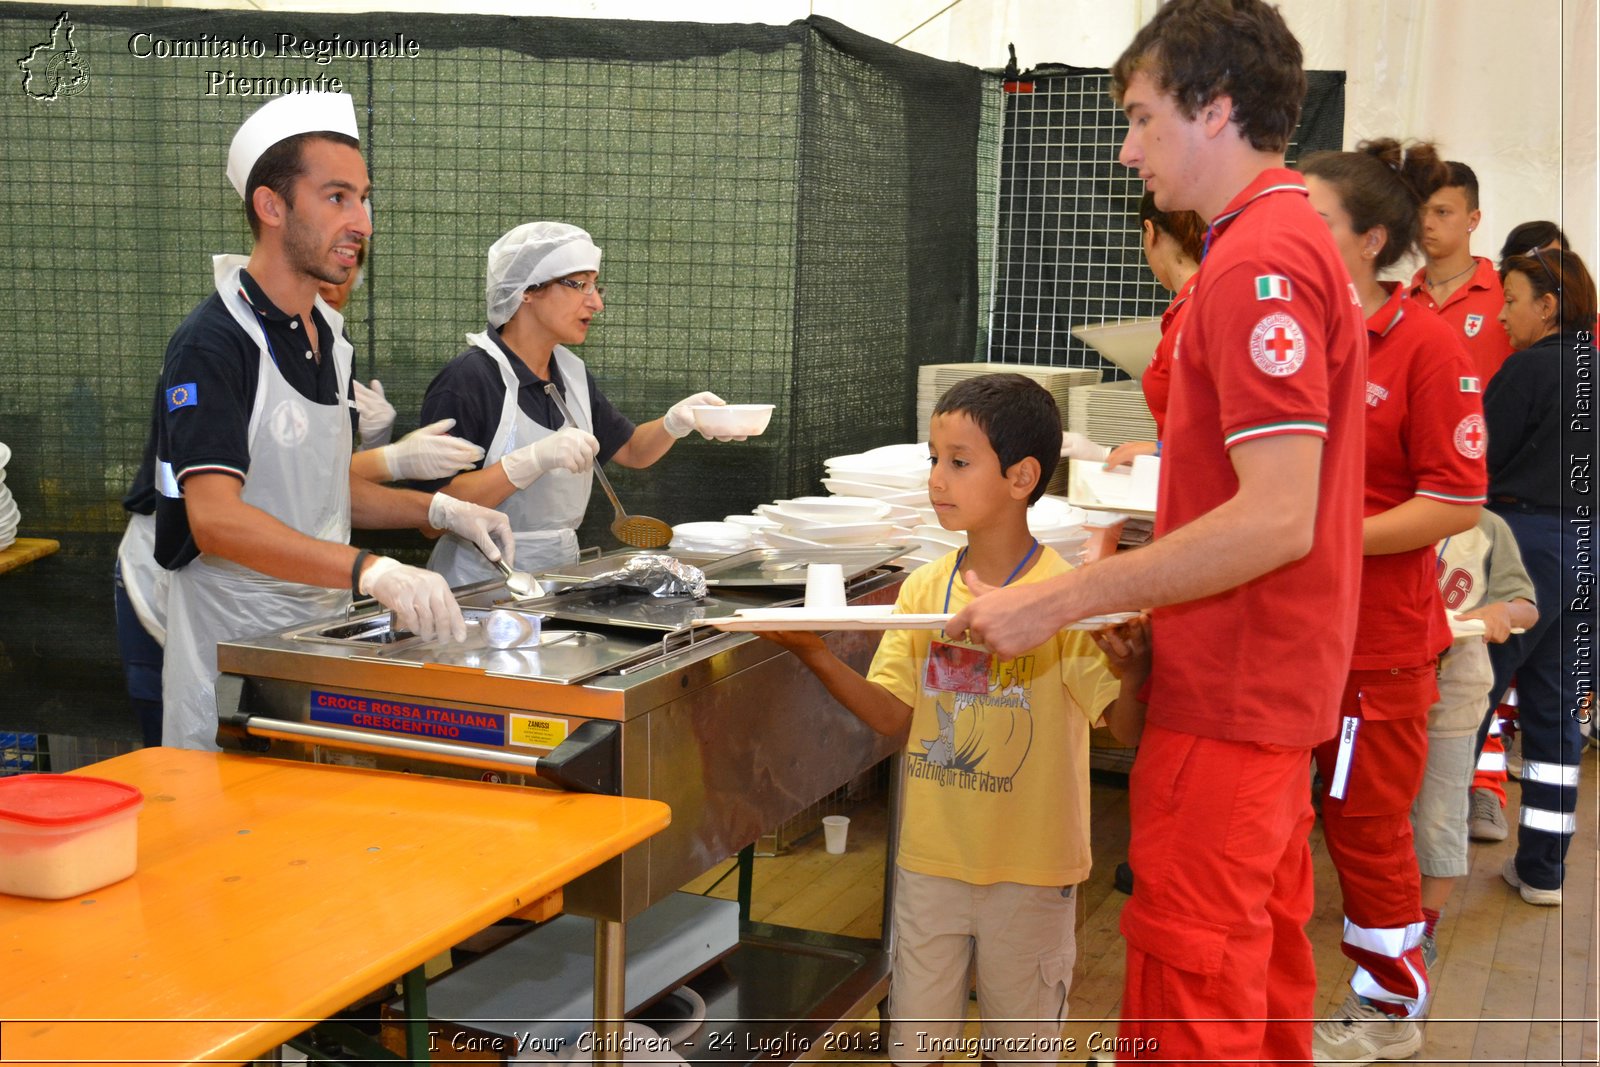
(987, 734)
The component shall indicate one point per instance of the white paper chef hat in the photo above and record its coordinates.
(532, 253)
(278, 120)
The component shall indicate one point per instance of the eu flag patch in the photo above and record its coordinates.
(183, 396)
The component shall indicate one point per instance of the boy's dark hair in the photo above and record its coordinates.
(1526, 236)
(1017, 414)
(281, 165)
(1560, 272)
(1383, 183)
(1198, 50)
(1463, 178)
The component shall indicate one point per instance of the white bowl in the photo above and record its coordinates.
(5, 453)
(907, 477)
(833, 509)
(732, 420)
(853, 533)
(752, 522)
(938, 535)
(776, 539)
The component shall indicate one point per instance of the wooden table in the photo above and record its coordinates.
(271, 894)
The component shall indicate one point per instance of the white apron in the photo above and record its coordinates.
(144, 580)
(299, 474)
(545, 516)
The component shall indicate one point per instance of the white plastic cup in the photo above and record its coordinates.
(824, 585)
(835, 828)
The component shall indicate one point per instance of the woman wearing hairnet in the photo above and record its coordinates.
(542, 294)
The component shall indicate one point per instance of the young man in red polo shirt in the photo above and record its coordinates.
(1253, 573)
(1464, 289)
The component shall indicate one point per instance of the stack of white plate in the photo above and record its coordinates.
(1052, 520)
(758, 526)
(712, 538)
(1110, 413)
(10, 516)
(891, 470)
(832, 520)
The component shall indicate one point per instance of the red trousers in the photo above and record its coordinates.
(1219, 966)
(1371, 773)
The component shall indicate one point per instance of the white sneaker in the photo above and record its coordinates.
(1359, 1033)
(1485, 821)
(1544, 898)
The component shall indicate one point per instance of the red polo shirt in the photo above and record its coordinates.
(1272, 343)
(1157, 378)
(1473, 313)
(1425, 437)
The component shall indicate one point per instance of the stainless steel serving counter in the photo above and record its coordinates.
(729, 730)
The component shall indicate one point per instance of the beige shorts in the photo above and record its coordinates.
(1019, 938)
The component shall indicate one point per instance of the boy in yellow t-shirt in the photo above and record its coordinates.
(994, 832)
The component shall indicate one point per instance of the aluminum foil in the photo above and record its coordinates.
(652, 575)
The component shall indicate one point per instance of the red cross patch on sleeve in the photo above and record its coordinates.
(1471, 436)
(1277, 345)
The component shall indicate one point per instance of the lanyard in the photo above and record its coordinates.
(1033, 543)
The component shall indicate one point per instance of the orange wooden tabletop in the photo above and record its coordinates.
(271, 894)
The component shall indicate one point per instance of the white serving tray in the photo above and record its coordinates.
(1460, 627)
(866, 617)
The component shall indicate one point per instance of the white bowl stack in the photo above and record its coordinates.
(1056, 524)
(10, 515)
(809, 521)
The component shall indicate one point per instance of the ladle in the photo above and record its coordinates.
(640, 531)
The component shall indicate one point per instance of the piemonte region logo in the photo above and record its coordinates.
(54, 68)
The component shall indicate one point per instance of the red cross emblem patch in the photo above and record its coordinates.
(1472, 438)
(1277, 346)
(1473, 324)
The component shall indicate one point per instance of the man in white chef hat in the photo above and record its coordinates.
(256, 419)
(542, 292)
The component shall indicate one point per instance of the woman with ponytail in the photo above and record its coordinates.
(1424, 482)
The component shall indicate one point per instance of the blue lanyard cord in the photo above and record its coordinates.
(1442, 546)
(1033, 545)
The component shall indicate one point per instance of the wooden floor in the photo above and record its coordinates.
(1514, 984)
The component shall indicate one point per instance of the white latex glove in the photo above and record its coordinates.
(420, 599)
(488, 529)
(1075, 445)
(679, 419)
(568, 449)
(429, 453)
(376, 414)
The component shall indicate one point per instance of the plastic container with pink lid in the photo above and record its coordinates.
(63, 835)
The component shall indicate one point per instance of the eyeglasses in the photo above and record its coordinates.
(587, 288)
(1538, 254)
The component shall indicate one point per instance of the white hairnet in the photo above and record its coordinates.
(533, 253)
(283, 118)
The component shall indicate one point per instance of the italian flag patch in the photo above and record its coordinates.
(1470, 385)
(1272, 287)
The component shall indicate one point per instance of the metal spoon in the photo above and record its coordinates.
(521, 584)
(640, 531)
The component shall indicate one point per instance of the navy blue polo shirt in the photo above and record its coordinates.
(208, 388)
(469, 390)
